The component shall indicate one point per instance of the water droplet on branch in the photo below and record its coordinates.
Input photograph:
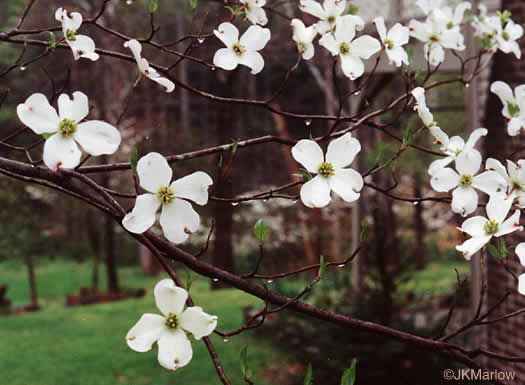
(307, 122)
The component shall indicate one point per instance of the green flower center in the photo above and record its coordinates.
(172, 321)
(301, 47)
(458, 151)
(505, 36)
(434, 38)
(344, 48)
(465, 181)
(389, 43)
(514, 109)
(71, 35)
(450, 25)
(165, 195)
(238, 48)
(491, 227)
(330, 19)
(67, 127)
(326, 169)
(516, 185)
(504, 16)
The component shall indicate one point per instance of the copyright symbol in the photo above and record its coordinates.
(448, 374)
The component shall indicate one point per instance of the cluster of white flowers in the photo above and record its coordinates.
(497, 32)
(505, 186)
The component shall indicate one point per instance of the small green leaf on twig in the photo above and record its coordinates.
(235, 144)
(364, 225)
(322, 266)
(245, 367)
(308, 377)
(352, 9)
(348, 377)
(52, 40)
(261, 230)
(193, 3)
(153, 5)
(134, 160)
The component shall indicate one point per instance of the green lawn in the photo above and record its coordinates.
(85, 345)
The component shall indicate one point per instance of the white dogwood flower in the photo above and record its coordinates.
(485, 26)
(81, 46)
(351, 52)
(465, 182)
(254, 11)
(514, 175)
(169, 329)
(513, 105)
(393, 41)
(436, 36)
(241, 51)
(520, 252)
(144, 67)
(482, 229)
(304, 37)
(452, 147)
(421, 107)
(332, 174)
(177, 218)
(453, 18)
(329, 13)
(64, 132)
(506, 38)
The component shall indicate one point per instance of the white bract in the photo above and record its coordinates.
(82, 46)
(63, 130)
(436, 36)
(329, 13)
(513, 105)
(332, 174)
(304, 37)
(177, 218)
(351, 52)
(254, 11)
(506, 38)
(520, 252)
(514, 175)
(454, 146)
(241, 51)
(482, 229)
(485, 26)
(393, 41)
(421, 107)
(144, 67)
(453, 18)
(169, 330)
(465, 182)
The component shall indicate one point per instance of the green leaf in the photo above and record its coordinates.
(419, 73)
(364, 225)
(153, 5)
(52, 39)
(308, 377)
(352, 9)
(310, 136)
(220, 161)
(261, 230)
(322, 266)
(305, 174)
(235, 143)
(193, 4)
(134, 160)
(468, 17)
(348, 377)
(245, 367)
(514, 109)
(410, 53)
(494, 251)
(47, 135)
